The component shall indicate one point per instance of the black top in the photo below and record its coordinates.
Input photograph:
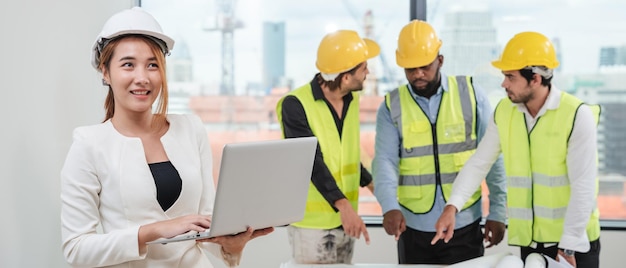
(168, 183)
(295, 125)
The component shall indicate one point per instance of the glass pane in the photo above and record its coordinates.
(234, 59)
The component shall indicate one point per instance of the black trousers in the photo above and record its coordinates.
(414, 246)
(589, 259)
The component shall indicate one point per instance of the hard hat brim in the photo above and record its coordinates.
(407, 63)
(373, 49)
(498, 64)
(168, 42)
(504, 66)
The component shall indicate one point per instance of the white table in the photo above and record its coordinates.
(490, 261)
(359, 265)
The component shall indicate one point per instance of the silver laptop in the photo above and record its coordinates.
(261, 184)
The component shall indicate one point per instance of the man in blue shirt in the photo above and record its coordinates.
(425, 131)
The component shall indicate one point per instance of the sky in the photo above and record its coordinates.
(582, 27)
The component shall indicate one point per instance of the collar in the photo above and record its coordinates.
(316, 88)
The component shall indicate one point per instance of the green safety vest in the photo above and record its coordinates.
(432, 154)
(341, 156)
(538, 188)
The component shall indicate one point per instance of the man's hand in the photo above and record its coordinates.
(494, 232)
(394, 223)
(351, 222)
(570, 259)
(445, 225)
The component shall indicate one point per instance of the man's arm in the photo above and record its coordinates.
(386, 160)
(476, 168)
(366, 179)
(385, 169)
(582, 173)
(295, 125)
(496, 178)
(468, 180)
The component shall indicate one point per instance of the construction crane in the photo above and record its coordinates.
(226, 23)
(388, 74)
(371, 83)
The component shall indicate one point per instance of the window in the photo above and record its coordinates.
(234, 59)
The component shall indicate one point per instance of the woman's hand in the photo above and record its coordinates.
(171, 228)
(234, 244)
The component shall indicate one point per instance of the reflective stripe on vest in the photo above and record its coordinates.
(538, 187)
(433, 156)
(341, 156)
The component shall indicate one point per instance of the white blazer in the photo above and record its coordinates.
(106, 181)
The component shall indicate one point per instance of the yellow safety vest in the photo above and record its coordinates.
(341, 156)
(433, 154)
(538, 187)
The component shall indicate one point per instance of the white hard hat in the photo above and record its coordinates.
(130, 21)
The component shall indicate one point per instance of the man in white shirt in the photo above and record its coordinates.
(548, 140)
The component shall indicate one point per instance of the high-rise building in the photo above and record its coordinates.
(179, 64)
(273, 55)
(469, 45)
(559, 56)
(180, 79)
(469, 41)
(608, 56)
(370, 86)
(612, 56)
(609, 90)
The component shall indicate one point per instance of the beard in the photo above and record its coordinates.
(356, 85)
(519, 98)
(427, 90)
(357, 88)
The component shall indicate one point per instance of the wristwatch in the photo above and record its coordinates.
(568, 252)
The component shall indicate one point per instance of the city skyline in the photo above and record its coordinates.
(582, 28)
(248, 116)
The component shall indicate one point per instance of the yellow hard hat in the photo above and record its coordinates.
(527, 49)
(343, 50)
(418, 45)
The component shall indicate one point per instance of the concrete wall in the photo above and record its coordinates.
(48, 88)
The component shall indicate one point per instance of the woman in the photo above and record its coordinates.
(139, 175)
